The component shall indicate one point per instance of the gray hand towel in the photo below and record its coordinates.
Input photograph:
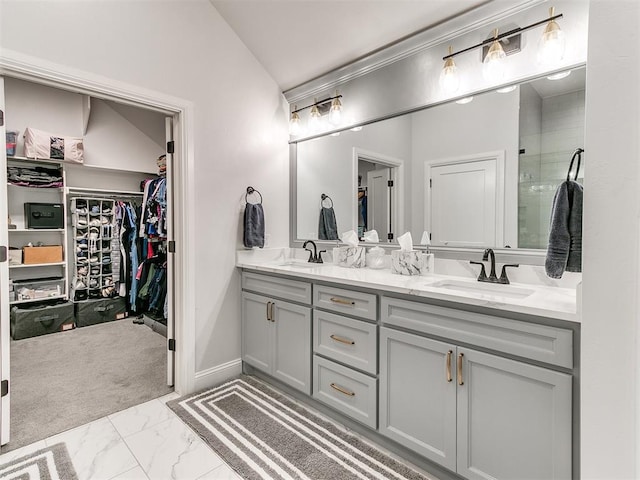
(253, 225)
(327, 227)
(564, 252)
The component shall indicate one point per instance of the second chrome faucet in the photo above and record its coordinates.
(492, 278)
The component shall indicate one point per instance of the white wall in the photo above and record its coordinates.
(184, 49)
(325, 165)
(488, 124)
(610, 421)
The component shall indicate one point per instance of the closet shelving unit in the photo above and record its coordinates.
(40, 273)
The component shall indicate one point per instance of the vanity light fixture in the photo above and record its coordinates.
(295, 128)
(449, 78)
(493, 64)
(331, 105)
(356, 129)
(552, 43)
(496, 48)
(507, 89)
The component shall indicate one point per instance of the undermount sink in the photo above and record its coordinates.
(300, 264)
(483, 288)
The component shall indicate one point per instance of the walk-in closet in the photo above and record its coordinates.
(89, 217)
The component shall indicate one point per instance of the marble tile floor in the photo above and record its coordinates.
(144, 442)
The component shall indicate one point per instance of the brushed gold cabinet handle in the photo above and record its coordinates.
(342, 390)
(460, 357)
(268, 311)
(449, 354)
(342, 340)
(271, 312)
(342, 301)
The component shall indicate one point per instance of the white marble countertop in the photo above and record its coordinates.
(543, 301)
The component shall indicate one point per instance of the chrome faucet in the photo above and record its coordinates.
(492, 278)
(314, 256)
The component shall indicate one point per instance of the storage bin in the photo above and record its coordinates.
(44, 254)
(93, 312)
(33, 321)
(12, 138)
(41, 288)
(15, 256)
(44, 215)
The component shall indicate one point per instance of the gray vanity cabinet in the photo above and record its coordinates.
(276, 334)
(480, 414)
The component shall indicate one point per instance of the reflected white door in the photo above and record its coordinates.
(171, 256)
(4, 285)
(378, 202)
(463, 207)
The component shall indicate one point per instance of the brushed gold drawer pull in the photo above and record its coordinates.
(460, 357)
(342, 340)
(449, 354)
(342, 301)
(342, 390)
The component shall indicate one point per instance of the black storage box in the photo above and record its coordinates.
(93, 312)
(44, 215)
(31, 321)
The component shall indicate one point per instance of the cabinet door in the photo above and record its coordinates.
(417, 400)
(514, 420)
(292, 345)
(256, 342)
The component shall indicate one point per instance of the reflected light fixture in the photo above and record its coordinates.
(552, 43)
(494, 65)
(449, 78)
(295, 127)
(464, 101)
(507, 89)
(559, 75)
(331, 106)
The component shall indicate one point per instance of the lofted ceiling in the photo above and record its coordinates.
(298, 40)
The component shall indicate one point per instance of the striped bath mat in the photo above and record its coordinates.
(264, 435)
(51, 463)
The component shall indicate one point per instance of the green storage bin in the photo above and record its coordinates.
(92, 312)
(31, 321)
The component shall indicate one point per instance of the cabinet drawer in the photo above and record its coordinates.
(352, 393)
(544, 343)
(277, 287)
(345, 340)
(339, 300)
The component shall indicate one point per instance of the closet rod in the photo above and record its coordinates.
(113, 193)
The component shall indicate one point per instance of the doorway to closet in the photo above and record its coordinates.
(103, 338)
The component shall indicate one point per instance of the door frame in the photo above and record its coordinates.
(43, 72)
(499, 157)
(397, 175)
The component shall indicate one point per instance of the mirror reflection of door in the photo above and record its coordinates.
(464, 203)
(374, 202)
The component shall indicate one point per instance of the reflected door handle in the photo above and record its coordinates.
(268, 311)
(460, 358)
(271, 312)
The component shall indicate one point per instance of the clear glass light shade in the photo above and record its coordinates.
(315, 120)
(507, 89)
(295, 127)
(552, 45)
(560, 75)
(449, 78)
(494, 65)
(335, 113)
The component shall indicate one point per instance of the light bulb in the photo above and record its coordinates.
(552, 43)
(449, 78)
(315, 120)
(335, 113)
(494, 64)
(295, 128)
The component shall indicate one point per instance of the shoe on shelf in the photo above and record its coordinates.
(80, 285)
(82, 271)
(95, 222)
(94, 259)
(81, 223)
(81, 236)
(80, 211)
(93, 283)
(95, 209)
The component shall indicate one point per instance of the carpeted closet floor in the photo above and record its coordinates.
(66, 379)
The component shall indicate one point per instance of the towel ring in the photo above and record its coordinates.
(324, 197)
(251, 190)
(577, 153)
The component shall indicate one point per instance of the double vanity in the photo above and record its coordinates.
(477, 380)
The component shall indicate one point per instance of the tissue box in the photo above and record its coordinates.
(411, 263)
(353, 257)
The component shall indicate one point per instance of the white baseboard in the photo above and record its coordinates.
(216, 375)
